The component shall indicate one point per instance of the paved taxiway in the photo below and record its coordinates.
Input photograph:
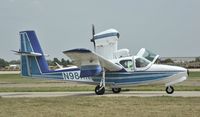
(108, 94)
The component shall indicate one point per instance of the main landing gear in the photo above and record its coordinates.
(169, 89)
(116, 90)
(100, 89)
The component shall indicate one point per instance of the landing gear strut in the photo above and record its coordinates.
(116, 90)
(100, 89)
(169, 89)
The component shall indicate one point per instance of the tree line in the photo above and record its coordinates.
(63, 62)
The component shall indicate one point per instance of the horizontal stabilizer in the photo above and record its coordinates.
(27, 53)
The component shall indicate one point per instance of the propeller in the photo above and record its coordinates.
(93, 33)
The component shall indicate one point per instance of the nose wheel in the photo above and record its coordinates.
(169, 89)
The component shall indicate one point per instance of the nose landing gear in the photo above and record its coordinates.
(169, 89)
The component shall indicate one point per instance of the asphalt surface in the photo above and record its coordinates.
(92, 94)
(9, 72)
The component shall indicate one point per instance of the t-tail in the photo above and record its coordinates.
(32, 57)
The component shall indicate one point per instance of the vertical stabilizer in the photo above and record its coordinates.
(32, 58)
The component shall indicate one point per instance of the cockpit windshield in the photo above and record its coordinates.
(144, 59)
(149, 55)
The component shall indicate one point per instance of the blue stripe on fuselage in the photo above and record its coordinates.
(116, 77)
(134, 77)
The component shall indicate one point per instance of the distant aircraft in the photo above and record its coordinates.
(106, 66)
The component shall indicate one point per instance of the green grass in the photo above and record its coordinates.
(16, 78)
(47, 89)
(194, 75)
(19, 84)
(96, 106)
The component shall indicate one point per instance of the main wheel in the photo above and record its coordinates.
(169, 89)
(99, 90)
(116, 90)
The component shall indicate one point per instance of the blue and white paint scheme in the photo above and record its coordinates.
(106, 66)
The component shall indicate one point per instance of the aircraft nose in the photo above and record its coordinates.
(186, 71)
(176, 68)
(180, 69)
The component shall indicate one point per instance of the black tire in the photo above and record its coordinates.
(116, 90)
(169, 89)
(98, 91)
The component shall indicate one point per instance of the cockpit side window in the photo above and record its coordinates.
(141, 63)
(128, 64)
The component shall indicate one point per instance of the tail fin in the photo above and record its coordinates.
(32, 58)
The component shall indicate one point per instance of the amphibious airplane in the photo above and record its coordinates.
(106, 66)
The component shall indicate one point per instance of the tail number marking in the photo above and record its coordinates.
(73, 76)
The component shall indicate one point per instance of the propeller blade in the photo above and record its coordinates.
(93, 33)
(93, 30)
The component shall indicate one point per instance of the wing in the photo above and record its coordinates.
(90, 63)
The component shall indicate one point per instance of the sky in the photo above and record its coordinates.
(170, 28)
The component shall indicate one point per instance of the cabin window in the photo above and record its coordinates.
(141, 62)
(127, 64)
